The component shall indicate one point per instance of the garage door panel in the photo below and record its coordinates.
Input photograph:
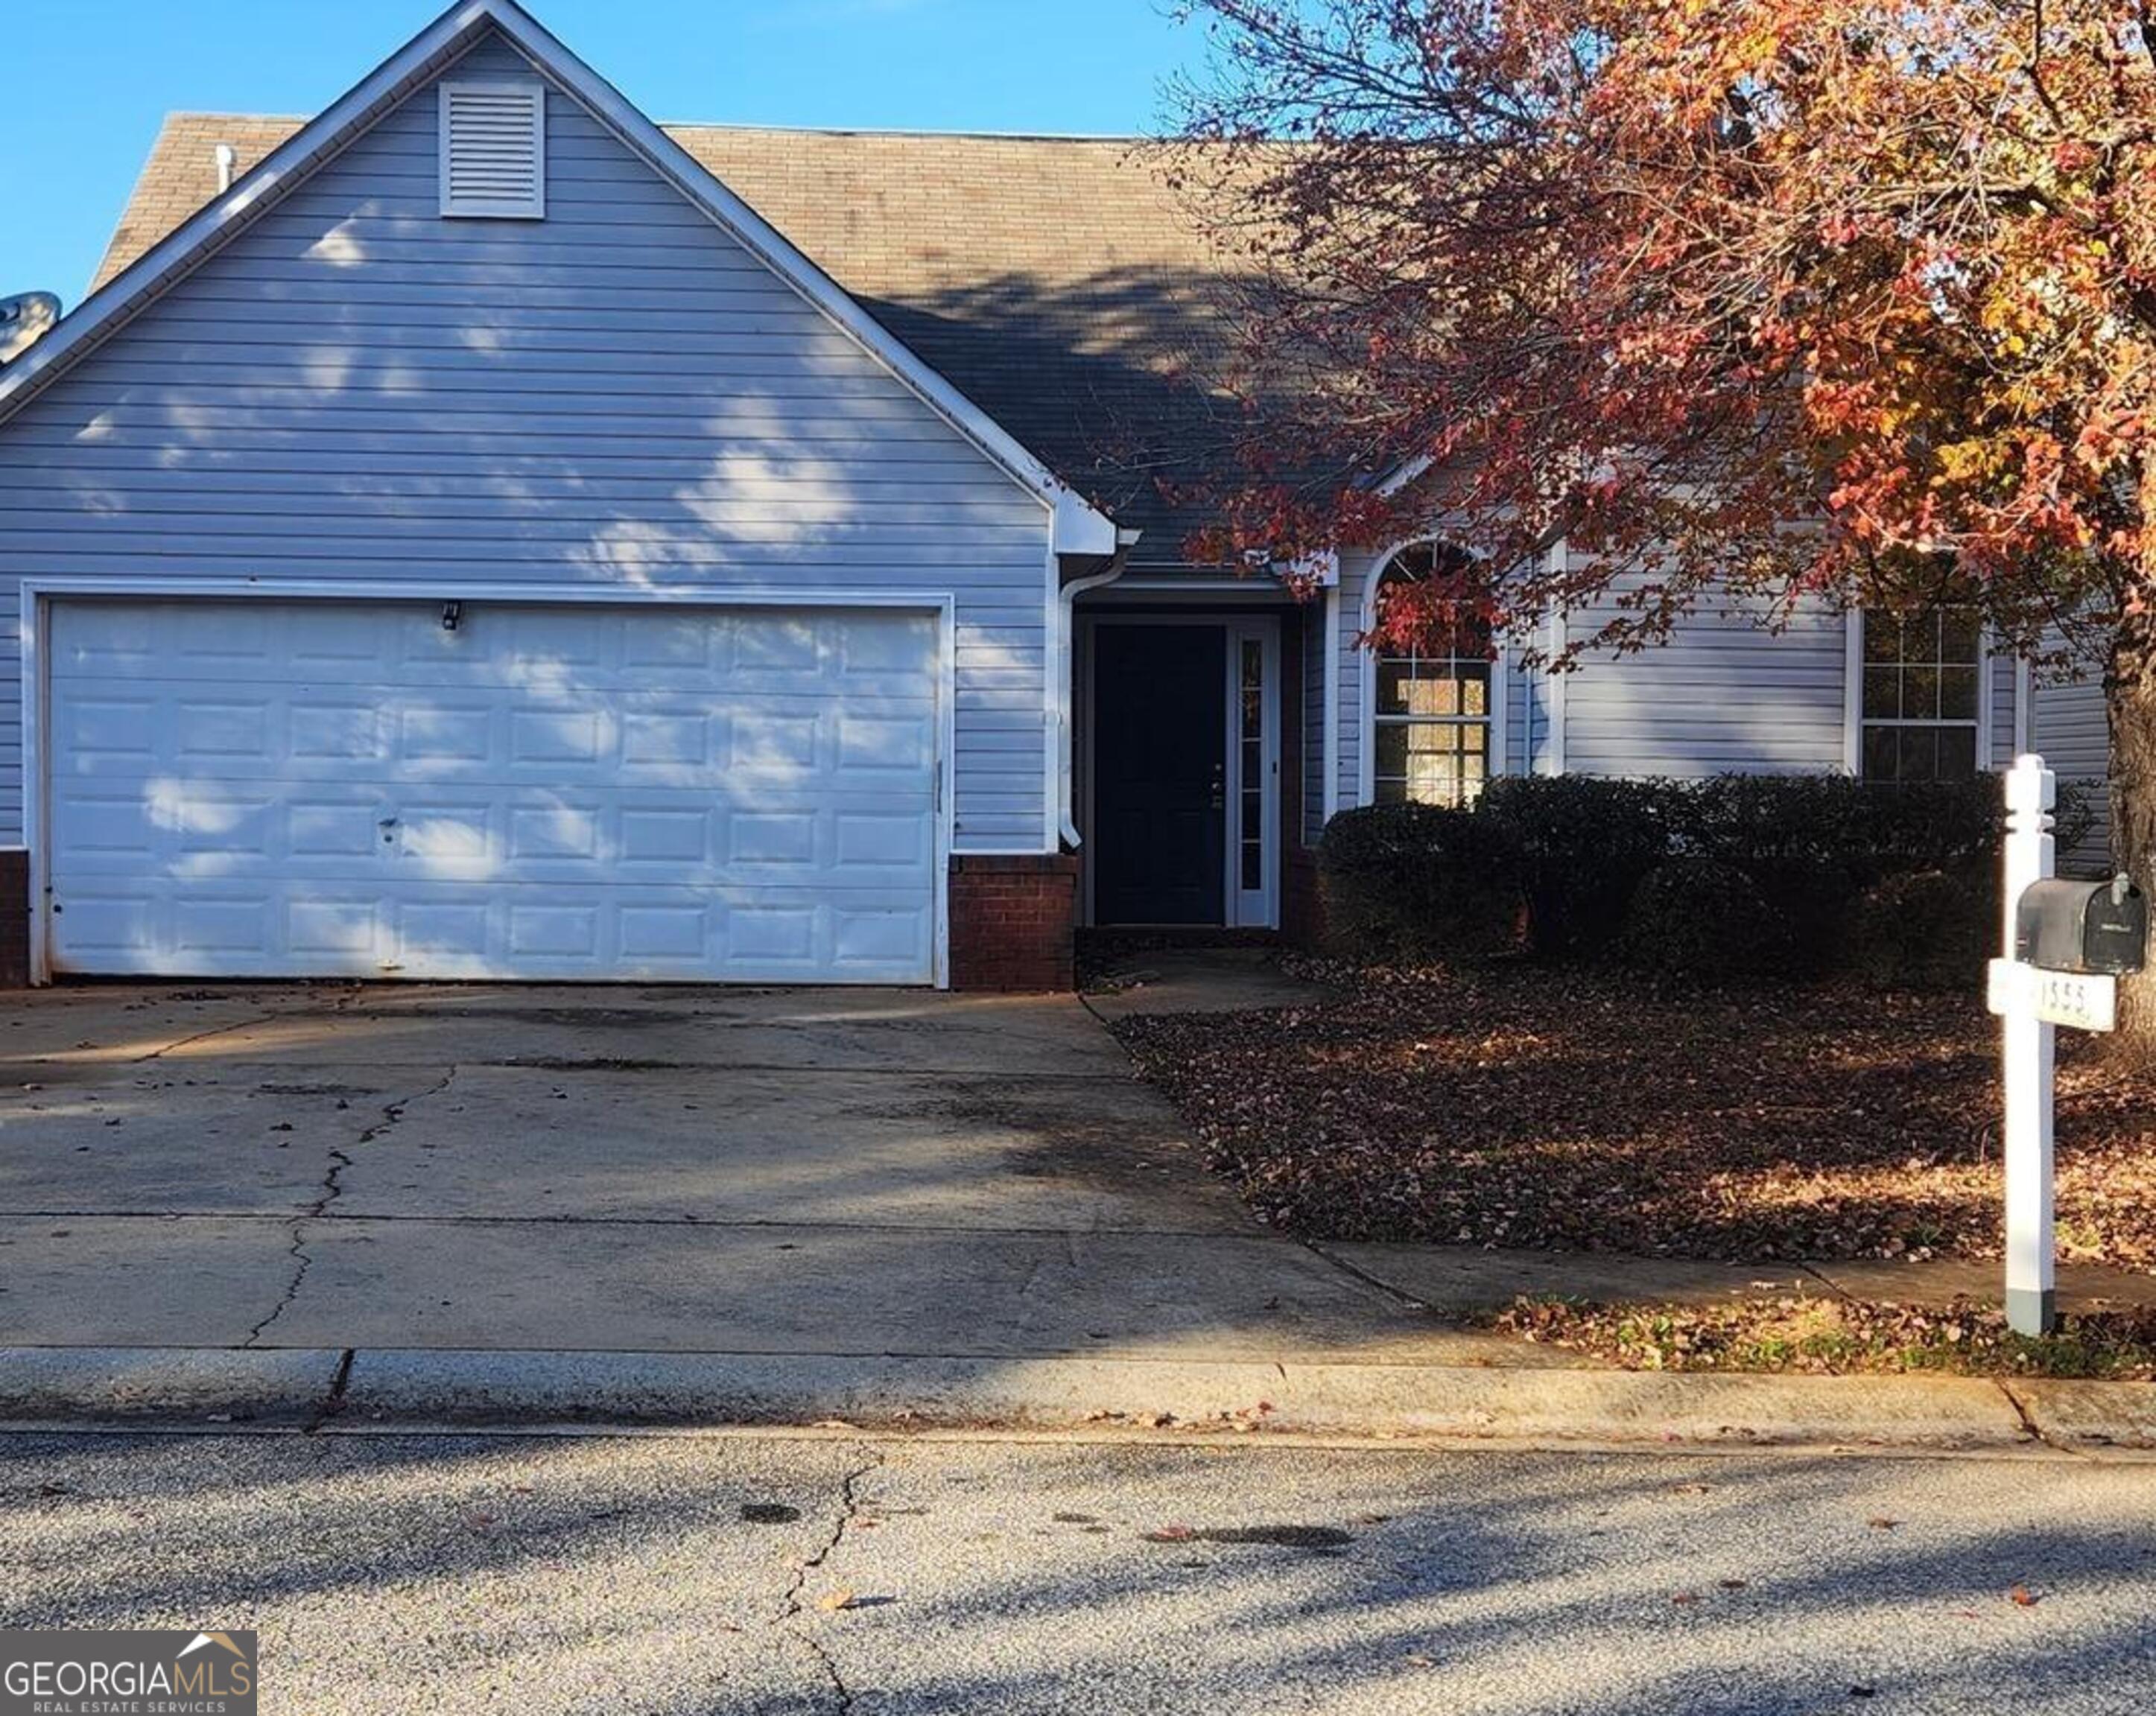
(439, 739)
(343, 730)
(505, 834)
(496, 645)
(513, 799)
(749, 934)
(100, 728)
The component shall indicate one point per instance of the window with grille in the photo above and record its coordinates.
(1923, 676)
(1432, 709)
(493, 150)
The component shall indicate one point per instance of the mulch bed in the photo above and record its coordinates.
(1837, 1337)
(1579, 1111)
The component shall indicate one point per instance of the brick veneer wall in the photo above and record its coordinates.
(1011, 921)
(14, 919)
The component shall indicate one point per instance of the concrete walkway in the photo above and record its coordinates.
(1460, 1280)
(1206, 980)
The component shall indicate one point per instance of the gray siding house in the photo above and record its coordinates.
(477, 532)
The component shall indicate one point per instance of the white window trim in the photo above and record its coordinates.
(1329, 749)
(2024, 705)
(532, 208)
(1553, 691)
(1852, 697)
(1259, 907)
(1366, 675)
(1557, 638)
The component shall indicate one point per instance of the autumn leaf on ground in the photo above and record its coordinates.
(1322, 1117)
(832, 1601)
(2024, 1598)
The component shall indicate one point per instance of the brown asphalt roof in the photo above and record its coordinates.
(1060, 283)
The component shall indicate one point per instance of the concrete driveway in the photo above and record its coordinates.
(657, 1170)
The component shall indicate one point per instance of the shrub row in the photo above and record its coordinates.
(1741, 874)
(1414, 881)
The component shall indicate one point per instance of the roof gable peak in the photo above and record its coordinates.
(1078, 527)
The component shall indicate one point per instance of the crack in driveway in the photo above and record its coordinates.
(332, 1189)
(178, 1043)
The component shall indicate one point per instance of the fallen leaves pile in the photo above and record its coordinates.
(1579, 1111)
(1832, 1336)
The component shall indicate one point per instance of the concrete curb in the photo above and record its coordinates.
(2088, 1415)
(196, 1385)
(1358, 1400)
(422, 1388)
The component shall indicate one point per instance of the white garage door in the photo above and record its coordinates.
(315, 788)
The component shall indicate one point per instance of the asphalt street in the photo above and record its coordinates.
(786, 1573)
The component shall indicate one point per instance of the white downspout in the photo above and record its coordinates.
(1330, 748)
(1065, 651)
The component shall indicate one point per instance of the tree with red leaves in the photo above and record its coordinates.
(1763, 299)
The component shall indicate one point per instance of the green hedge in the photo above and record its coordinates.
(1815, 843)
(1926, 930)
(1415, 881)
(1586, 844)
(1572, 853)
(1811, 844)
(1698, 917)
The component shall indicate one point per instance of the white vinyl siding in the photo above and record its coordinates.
(1725, 693)
(355, 388)
(2071, 731)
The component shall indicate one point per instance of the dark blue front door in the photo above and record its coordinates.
(1159, 773)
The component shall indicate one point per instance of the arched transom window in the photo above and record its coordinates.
(1431, 714)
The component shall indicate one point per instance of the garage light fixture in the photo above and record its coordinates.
(453, 613)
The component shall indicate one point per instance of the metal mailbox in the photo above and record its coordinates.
(2082, 926)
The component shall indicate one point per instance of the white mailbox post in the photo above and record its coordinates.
(2066, 942)
(2027, 1043)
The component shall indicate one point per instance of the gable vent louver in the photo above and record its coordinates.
(493, 150)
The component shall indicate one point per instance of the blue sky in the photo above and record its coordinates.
(89, 79)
